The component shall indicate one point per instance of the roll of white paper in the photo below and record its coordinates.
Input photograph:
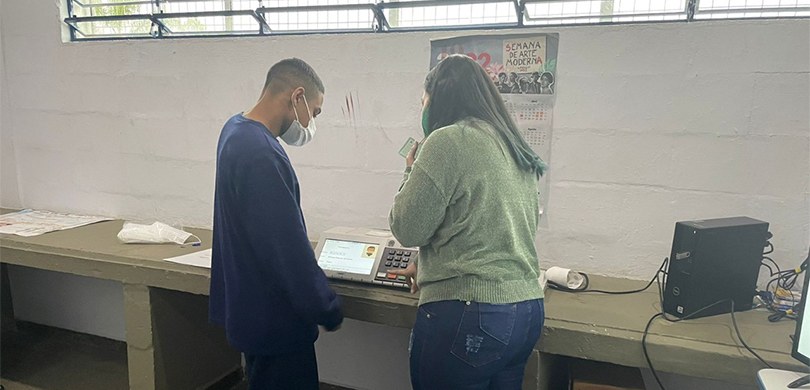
(565, 277)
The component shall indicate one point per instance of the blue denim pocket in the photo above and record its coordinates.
(484, 333)
(424, 318)
(424, 326)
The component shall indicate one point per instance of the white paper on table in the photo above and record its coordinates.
(29, 223)
(197, 259)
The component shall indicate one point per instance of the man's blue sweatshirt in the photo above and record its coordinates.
(266, 286)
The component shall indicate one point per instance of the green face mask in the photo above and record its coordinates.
(425, 124)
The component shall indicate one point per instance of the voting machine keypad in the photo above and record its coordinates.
(394, 258)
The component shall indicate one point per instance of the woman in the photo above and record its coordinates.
(469, 201)
(546, 81)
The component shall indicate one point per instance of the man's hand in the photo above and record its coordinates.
(409, 272)
(335, 329)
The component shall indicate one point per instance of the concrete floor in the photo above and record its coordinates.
(10, 385)
(37, 357)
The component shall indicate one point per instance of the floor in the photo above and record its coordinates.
(37, 357)
(42, 357)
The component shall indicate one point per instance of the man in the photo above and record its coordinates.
(370, 251)
(514, 87)
(523, 84)
(502, 84)
(266, 286)
(534, 84)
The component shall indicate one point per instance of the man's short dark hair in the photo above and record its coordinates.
(293, 73)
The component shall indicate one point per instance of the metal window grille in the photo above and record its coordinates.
(133, 19)
(725, 9)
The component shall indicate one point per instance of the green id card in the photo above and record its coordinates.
(405, 149)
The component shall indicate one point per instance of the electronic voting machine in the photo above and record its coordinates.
(363, 255)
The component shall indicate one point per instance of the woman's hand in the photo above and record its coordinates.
(409, 272)
(412, 155)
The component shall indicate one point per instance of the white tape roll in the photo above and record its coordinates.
(565, 277)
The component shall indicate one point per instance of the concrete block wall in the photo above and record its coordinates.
(654, 124)
(9, 194)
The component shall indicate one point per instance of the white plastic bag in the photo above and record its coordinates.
(156, 233)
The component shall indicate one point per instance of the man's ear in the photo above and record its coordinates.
(298, 94)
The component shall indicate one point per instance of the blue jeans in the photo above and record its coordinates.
(468, 345)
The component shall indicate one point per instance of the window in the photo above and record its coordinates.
(128, 19)
(724, 9)
(604, 11)
(444, 14)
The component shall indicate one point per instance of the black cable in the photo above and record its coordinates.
(647, 354)
(625, 292)
(742, 341)
(772, 261)
(784, 280)
(781, 276)
(584, 288)
(776, 317)
(778, 269)
(770, 270)
(661, 271)
(690, 316)
(647, 330)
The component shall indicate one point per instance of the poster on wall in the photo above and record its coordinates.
(524, 69)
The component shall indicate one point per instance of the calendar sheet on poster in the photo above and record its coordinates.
(533, 115)
(524, 69)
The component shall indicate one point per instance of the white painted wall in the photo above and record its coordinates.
(365, 356)
(9, 194)
(654, 124)
(71, 302)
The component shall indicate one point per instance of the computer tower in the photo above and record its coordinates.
(714, 260)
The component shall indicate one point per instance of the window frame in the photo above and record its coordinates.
(380, 24)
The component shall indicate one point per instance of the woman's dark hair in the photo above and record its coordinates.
(548, 76)
(459, 88)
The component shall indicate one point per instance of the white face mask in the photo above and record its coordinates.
(156, 233)
(297, 134)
